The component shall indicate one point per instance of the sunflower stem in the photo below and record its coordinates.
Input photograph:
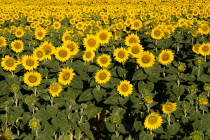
(177, 48)
(51, 101)
(169, 119)
(199, 70)
(203, 112)
(185, 113)
(98, 87)
(148, 108)
(205, 58)
(196, 105)
(37, 134)
(16, 100)
(150, 132)
(208, 93)
(6, 117)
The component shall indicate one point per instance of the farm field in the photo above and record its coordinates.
(104, 70)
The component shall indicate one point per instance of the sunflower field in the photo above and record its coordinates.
(104, 70)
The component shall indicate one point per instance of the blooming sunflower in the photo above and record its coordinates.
(19, 33)
(39, 54)
(32, 79)
(195, 48)
(136, 24)
(73, 46)
(102, 76)
(66, 36)
(132, 39)
(8, 63)
(204, 29)
(104, 36)
(125, 88)
(91, 42)
(204, 49)
(29, 62)
(168, 107)
(62, 53)
(55, 89)
(153, 121)
(202, 100)
(56, 25)
(121, 54)
(146, 59)
(48, 48)
(103, 60)
(65, 76)
(166, 57)
(34, 124)
(88, 55)
(3, 41)
(17, 46)
(40, 33)
(157, 33)
(135, 50)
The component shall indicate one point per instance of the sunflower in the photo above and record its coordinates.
(39, 54)
(168, 107)
(3, 41)
(195, 48)
(32, 79)
(125, 88)
(73, 46)
(136, 50)
(56, 25)
(48, 48)
(8, 63)
(166, 57)
(19, 33)
(202, 100)
(148, 99)
(88, 55)
(40, 33)
(157, 33)
(104, 36)
(146, 59)
(17, 46)
(102, 76)
(204, 29)
(29, 62)
(91, 42)
(121, 54)
(136, 24)
(132, 39)
(55, 89)
(80, 25)
(204, 49)
(66, 36)
(62, 53)
(153, 121)
(103, 60)
(65, 76)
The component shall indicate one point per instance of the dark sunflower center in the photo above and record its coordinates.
(67, 37)
(145, 59)
(205, 49)
(132, 40)
(135, 50)
(1, 42)
(66, 76)
(88, 55)
(152, 120)
(157, 33)
(39, 54)
(103, 36)
(19, 32)
(17, 45)
(71, 47)
(136, 24)
(102, 76)
(168, 107)
(29, 62)
(124, 87)
(205, 28)
(54, 87)
(62, 53)
(40, 34)
(91, 42)
(47, 49)
(165, 57)
(104, 60)
(9, 63)
(32, 78)
(121, 54)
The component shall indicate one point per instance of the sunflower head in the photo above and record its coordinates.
(102, 76)
(125, 88)
(17, 46)
(206, 87)
(153, 121)
(182, 67)
(121, 54)
(202, 100)
(104, 36)
(8, 63)
(157, 33)
(192, 89)
(195, 48)
(88, 55)
(32, 79)
(55, 89)
(146, 59)
(104, 60)
(166, 57)
(196, 135)
(148, 99)
(3, 41)
(65, 76)
(34, 124)
(91, 42)
(204, 49)
(135, 50)
(132, 39)
(168, 107)
(62, 53)
(72, 46)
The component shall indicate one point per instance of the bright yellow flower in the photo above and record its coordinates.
(166, 57)
(168, 107)
(8, 63)
(125, 88)
(102, 76)
(32, 78)
(65, 76)
(55, 89)
(153, 121)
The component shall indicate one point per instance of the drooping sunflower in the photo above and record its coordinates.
(121, 54)
(55, 89)
(204, 49)
(168, 107)
(102, 76)
(32, 79)
(146, 59)
(136, 24)
(17, 46)
(19, 33)
(65, 76)
(153, 121)
(166, 57)
(135, 50)
(56, 25)
(39, 54)
(91, 42)
(104, 36)
(73, 46)
(62, 53)
(132, 39)
(195, 48)
(29, 62)
(3, 41)
(8, 63)
(103, 60)
(40, 33)
(157, 33)
(88, 55)
(125, 88)
(48, 48)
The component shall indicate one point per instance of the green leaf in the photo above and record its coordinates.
(4, 88)
(139, 75)
(94, 111)
(144, 136)
(86, 95)
(137, 125)
(121, 128)
(110, 126)
(178, 90)
(159, 130)
(174, 128)
(204, 78)
(113, 99)
(121, 72)
(98, 95)
(85, 127)
(76, 82)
